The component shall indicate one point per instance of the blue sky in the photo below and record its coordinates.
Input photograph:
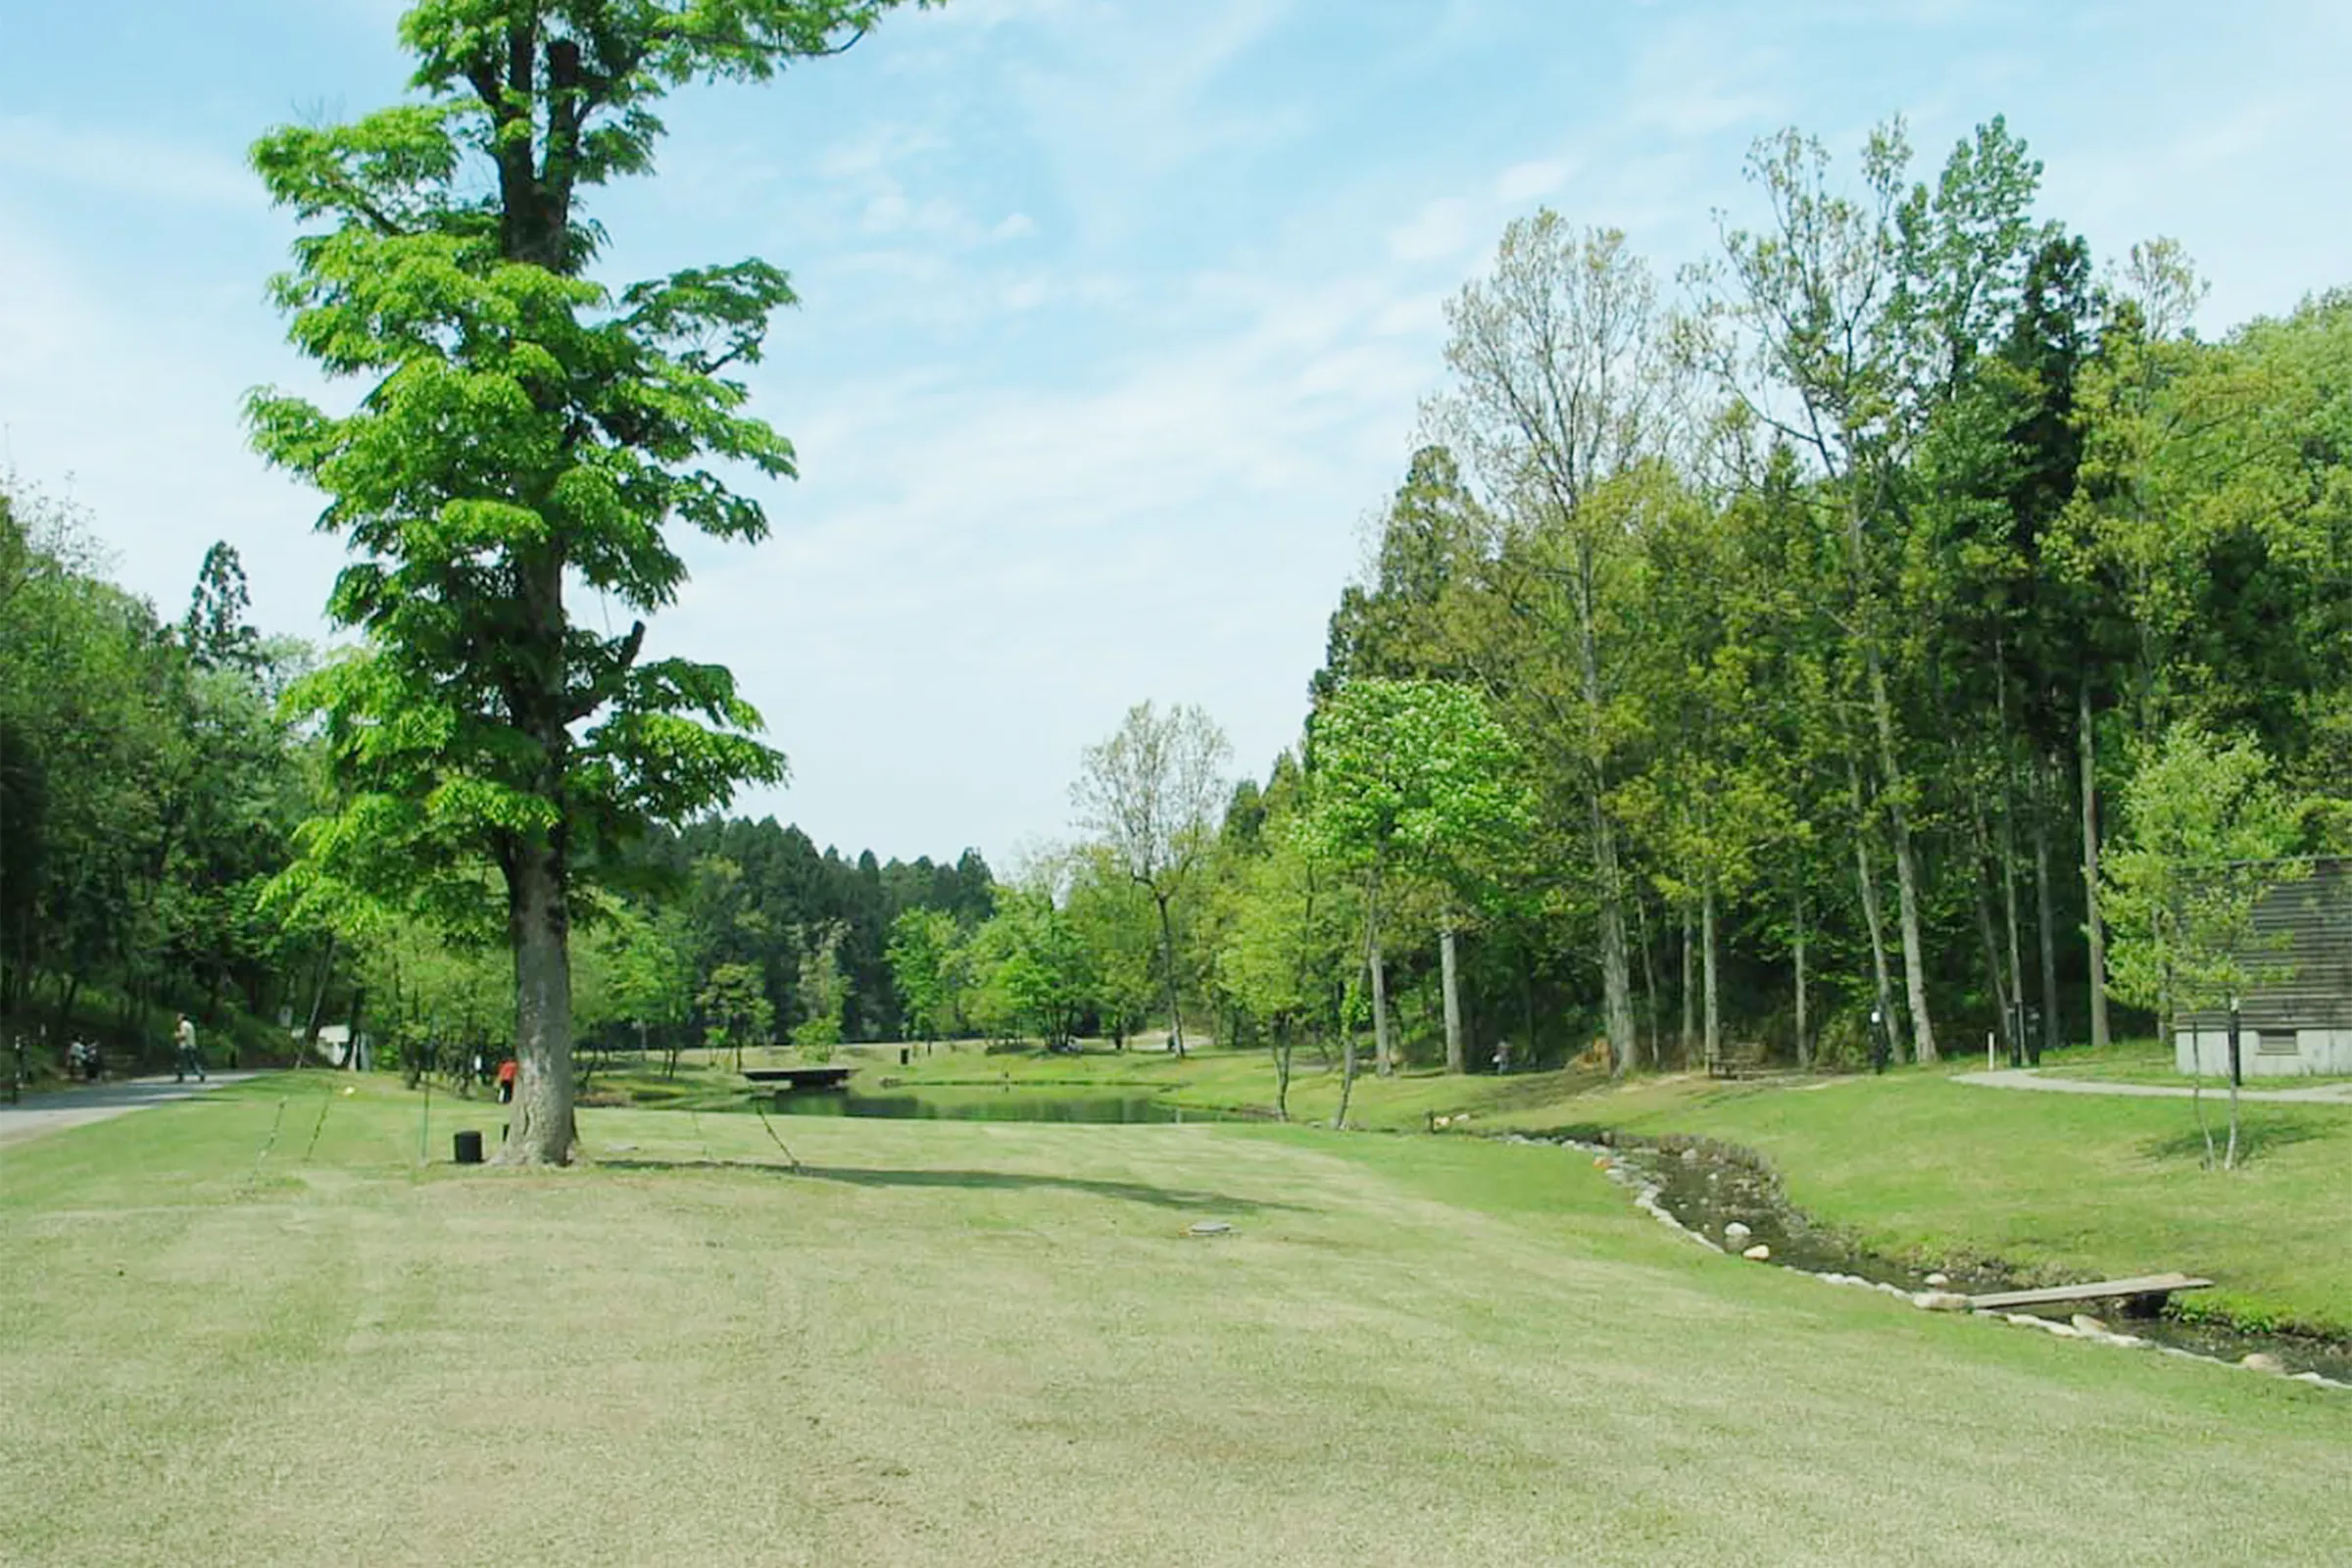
(1116, 312)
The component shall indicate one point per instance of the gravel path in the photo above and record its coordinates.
(2333, 1093)
(73, 1108)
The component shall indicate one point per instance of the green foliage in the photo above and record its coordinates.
(736, 1010)
(2208, 832)
(523, 431)
(821, 993)
(148, 790)
(1033, 974)
(1114, 917)
(926, 962)
(1412, 775)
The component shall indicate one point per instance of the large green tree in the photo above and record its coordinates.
(523, 431)
(1408, 777)
(1151, 795)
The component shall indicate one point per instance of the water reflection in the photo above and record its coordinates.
(991, 1105)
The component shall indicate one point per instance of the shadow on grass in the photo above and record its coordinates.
(1176, 1197)
(2257, 1136)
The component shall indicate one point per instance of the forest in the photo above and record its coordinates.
(154, 784)
(1894, 612)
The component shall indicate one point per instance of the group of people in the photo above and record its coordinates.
(85, 1061)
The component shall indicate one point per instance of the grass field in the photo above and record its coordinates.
(252, 1330)
(1911, 1164)
(2151, 1061)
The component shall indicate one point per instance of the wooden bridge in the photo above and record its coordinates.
(2146, 1293)
(795, 1078)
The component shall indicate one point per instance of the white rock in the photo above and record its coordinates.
(1937, 1282)
(1689, 1156)
(1941, 1301)
(1737, 1232)
(1757, 1253)
(2262, 1361)
(2084, 1323)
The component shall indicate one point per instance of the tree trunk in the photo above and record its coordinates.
(1867, 883)
(1167, 956)
(2006, 843)
(1804, 1041)
(1649, 982)
(2011, 1045)
(2045, 917)
(2087, 743)
(1982, 896)
(310, 1028)
(351, 1035)
(1707, 927)
(1616, 979)
(1527, 1003)
(1453, 998)
(1689, 989)
(542, 1131)
(1282, 1070)
(1339, 1118)
(1906, 871)
(2229, 1158)
(1383, 1051)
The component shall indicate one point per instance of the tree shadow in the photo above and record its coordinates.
(2257, 1134)
(1172, 1198)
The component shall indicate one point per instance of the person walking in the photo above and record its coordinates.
(183, 1041)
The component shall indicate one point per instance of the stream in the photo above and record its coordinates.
(1702, 1187)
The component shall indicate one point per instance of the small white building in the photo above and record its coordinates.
(2299, 1024)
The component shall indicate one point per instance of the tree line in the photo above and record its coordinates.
(1834, 634)
(149, 792)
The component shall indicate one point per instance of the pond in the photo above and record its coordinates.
(995, 1105)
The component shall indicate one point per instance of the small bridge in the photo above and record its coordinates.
(2146, 1293)
(795, 1078)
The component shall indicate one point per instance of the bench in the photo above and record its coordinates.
(1738, 1061)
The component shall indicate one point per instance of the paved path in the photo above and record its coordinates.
(73, 1108)
(2332, 1093)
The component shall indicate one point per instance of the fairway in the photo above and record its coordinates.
(249, 1330)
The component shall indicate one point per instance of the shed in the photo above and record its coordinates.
(2299, 1022)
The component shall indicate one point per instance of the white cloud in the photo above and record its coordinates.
(172, 170)
(1441, 230)
(1531, 181)
(1014, 225)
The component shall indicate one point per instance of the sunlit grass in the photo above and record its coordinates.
(256, 1329)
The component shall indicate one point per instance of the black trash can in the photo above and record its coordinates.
(469, 1148)
(904, 1055)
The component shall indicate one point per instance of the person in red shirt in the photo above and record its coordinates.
(506, 1080)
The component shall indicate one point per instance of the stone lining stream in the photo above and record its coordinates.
(1730, 1199)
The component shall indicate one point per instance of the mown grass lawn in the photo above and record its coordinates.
(1924, 1164)
(1915, 1163)
(244, 1331)
(2151, 1061)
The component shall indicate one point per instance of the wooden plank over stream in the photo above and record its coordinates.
(2097, 1291)
(800, 1077)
